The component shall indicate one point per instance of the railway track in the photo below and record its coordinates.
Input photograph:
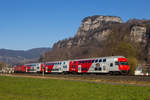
(94, 77)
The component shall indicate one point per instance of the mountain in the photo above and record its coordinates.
(21, 56)
(106, 36)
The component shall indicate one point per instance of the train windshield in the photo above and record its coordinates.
(121, 63)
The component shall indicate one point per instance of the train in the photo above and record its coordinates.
(99, 65)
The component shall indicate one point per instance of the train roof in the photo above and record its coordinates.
(99, 58)
(88, 59)
(78, 59)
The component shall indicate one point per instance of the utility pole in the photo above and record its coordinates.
(44, 60)
(43, 68)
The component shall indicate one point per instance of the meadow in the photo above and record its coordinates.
(19, 88)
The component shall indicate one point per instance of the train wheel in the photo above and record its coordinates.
(111, 73)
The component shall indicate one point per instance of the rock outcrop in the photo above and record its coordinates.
(138, 34)
(105, 36)
(94, 22)
(92, 28)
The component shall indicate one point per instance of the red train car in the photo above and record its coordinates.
(20, 69)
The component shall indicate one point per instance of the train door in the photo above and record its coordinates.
(46, 69)
(111, 65)
(104, 65)
(61, 67)
(65, 66)
(38, 67)
(79, 68)
(26, 70)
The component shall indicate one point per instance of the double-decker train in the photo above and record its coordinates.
(112, 65)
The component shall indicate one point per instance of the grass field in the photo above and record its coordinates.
(17, 88)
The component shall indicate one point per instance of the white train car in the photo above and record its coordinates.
(113, 64)
(34, 67)
(57, 67)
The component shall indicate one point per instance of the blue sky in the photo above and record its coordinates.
(26, 24)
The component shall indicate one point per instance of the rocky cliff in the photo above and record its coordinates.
(105, 36)
(92, 28)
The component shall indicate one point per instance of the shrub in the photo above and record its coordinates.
(1, 65)
(126, 49)
(133, 64)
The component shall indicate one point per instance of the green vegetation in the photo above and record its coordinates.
(1, 65)
(133, 64)
(129, 51)
(13, 88)
(126, 49)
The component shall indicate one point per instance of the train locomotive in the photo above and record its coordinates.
(112, 65)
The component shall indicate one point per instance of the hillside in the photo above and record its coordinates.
(105, 36)
(21, 56)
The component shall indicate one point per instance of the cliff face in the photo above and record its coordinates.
(95, 27)
(92, 23)
(138, 34)
(105, 36)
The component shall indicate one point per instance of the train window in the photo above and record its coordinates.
(96, 68)
(64, 62)
(49, 69)
(85, 61)
(96, 61)
(111, 64)
(37, 67)
(116, 63)
(100, 60)
(64, 66)
(79, 62)
(92, 61)
(82, 61)
(104, 60)
(89, 61)
(84, 69)
(99, 68)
